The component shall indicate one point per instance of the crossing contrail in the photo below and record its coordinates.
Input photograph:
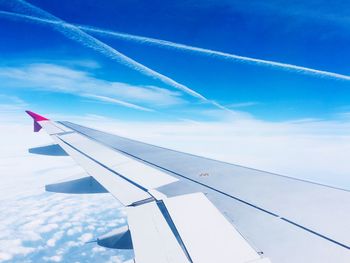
(74, 33)
(202, 51)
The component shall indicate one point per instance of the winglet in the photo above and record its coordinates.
(36, 117)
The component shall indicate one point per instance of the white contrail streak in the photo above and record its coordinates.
(76, 34)
(182, 47)
(213, 53)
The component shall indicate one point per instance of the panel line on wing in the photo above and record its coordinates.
(136, 171)
(315, 233)
(163, 209)
(153, 240)
(104, 166)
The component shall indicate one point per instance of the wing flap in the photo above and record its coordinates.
(206, 233)
(152, 238)
(186, 228)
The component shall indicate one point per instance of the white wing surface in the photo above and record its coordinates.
(186, 208)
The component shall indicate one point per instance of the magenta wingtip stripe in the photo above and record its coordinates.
(35, 116)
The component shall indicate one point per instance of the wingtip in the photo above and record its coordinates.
(35, 116)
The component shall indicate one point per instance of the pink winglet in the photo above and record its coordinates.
(35, 116)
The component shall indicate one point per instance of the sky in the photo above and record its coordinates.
(263, 84)
(44, 63)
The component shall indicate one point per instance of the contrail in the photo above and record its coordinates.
(203, 51)
(76, 34)
(213, 53)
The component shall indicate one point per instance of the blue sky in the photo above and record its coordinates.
(311, 35)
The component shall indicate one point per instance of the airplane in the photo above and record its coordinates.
(186, 208)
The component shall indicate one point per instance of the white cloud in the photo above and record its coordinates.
(51, 242)
(243, 104)
(56, 78)
(116, 259)
(5, 256)
(70, 244)
(86, 237)
(115, 101)
(10, 105)
(11, 99)
(34, 223)
(11, 247)
(48, 228)
(98, 249)
(74, 230)
(31, 236)
(56, 258)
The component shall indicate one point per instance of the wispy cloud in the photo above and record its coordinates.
(4, 98)
(188, 48)
(119, 102)
(57, 78)
(11, 104)
(243, 104)
(74, 33)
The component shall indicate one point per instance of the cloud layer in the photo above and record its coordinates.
(36, 226)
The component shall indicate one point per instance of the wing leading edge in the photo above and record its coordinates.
(284, 219)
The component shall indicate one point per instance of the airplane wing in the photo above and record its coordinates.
(186, 208)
